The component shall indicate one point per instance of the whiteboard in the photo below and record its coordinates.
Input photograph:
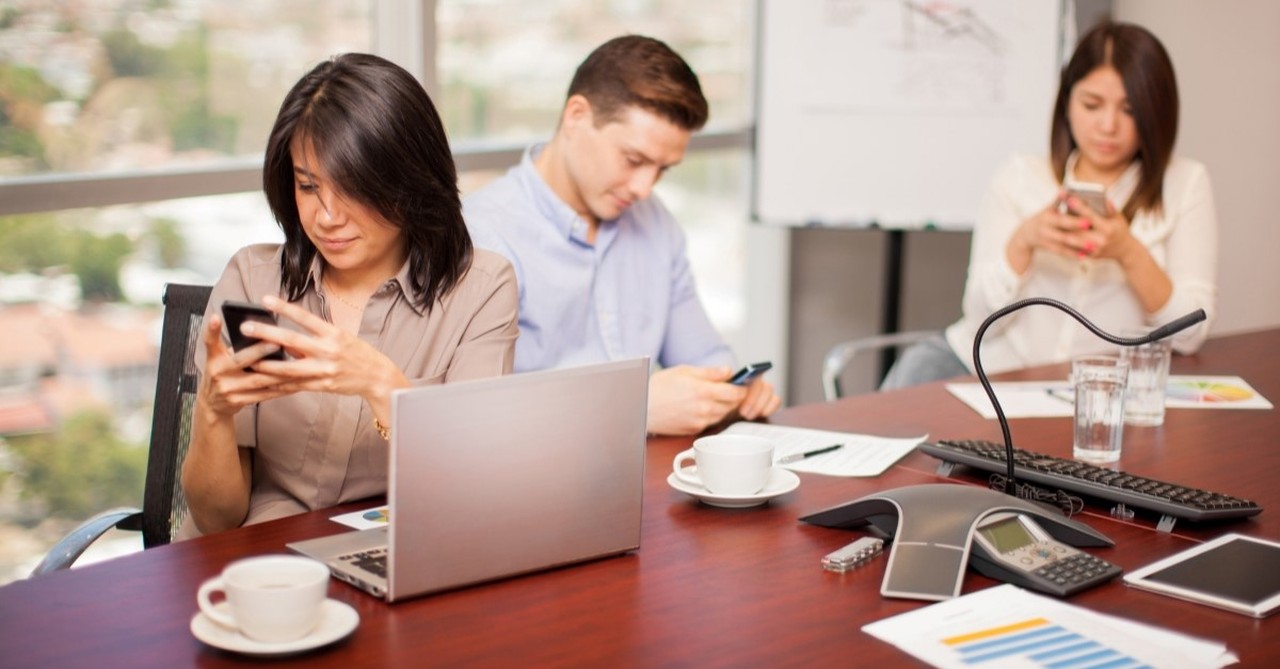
(897, 112)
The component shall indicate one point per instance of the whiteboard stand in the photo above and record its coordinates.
(891, 304)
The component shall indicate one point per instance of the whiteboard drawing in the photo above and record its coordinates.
(897, 112)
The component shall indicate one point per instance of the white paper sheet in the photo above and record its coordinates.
(859, 455)
(1007, 626)
(1046, 399)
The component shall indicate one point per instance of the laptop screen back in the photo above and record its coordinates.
(515, 474)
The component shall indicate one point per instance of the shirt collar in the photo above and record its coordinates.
(400, 282)
(566, 220)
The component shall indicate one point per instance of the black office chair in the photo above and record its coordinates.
(163, 504)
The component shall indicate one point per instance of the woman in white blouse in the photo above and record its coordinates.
(1150, 257)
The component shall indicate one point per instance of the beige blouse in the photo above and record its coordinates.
(316, 450)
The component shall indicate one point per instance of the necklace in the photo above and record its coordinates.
(334, 294)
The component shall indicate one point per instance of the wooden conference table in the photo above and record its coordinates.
(709, 587)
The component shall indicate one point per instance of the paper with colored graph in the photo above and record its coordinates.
(1212, 392)
(377, 516)
(1051, 399)
(1007, 626)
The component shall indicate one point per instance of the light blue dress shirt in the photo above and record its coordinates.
(630, 294)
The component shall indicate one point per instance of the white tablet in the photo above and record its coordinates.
(1232, 572)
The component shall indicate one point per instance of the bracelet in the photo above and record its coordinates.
(383, 431)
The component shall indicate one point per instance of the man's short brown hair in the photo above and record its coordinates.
(644, 72)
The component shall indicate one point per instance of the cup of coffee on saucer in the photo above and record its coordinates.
(727, 464)
(731, 471)
(271, 604)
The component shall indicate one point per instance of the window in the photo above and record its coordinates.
(131, 134)
(104, 89)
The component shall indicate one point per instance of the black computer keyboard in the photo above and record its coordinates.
(1171, 500)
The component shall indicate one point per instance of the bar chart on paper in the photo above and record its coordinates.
(1036, 642)
(1007, 626)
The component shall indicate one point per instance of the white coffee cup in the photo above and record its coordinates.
(272, 598)
(728, 464)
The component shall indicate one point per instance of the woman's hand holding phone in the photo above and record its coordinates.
(231, 380)
(235, 314)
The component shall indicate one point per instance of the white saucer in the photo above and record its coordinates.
(781, 482)
(337, 620)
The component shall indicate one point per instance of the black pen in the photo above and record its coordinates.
(800, 456)
(1054, 393)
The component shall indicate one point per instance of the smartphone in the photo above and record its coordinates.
(749, 372)
(236, 313)
(1093, 195)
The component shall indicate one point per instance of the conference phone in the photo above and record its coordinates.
(1013, 548)
(941, 529)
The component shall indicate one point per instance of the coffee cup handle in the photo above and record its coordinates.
(678, 465)
(206, 605)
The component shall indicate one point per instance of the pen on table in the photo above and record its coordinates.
(1056, 394)
(800, 456)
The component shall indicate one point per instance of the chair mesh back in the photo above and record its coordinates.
(164, 505)
(187, 405)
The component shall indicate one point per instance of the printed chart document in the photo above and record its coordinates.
(1007, 626)
(1048, 399)
(859, 455)
(364, 520)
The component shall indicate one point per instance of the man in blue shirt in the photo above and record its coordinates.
(600, 262)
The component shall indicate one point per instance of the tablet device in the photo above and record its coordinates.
(1233, 572)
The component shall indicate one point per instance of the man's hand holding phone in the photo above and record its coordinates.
(760, 400)
(749, 373)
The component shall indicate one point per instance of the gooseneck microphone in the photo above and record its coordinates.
(1176, 325)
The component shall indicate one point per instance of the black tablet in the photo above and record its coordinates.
(1233, 572)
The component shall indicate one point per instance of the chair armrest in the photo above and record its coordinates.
(839, 356)
(65, 552)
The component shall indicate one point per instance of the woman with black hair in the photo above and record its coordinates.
(376, 287)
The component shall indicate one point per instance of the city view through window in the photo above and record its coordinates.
(105, 87)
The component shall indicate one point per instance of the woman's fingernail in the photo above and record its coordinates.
(268, 301)
(247, 328)
(1088, 247)
(1085, 224)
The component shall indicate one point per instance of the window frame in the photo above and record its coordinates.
(400, 34)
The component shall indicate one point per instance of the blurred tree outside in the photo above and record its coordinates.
(82, 469)
(23, 93)
(169, 244)
(96, 261)
(36, 242)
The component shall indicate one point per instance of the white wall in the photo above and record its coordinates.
(1227, 58)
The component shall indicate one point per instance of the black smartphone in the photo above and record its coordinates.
(749, 372)
(235, 313)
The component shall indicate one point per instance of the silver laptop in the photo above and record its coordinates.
(500, 477)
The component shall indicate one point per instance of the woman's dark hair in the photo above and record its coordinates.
(1152, 90)
(644, 72)
(382, 143)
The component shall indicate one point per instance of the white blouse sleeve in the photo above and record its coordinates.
(991, 282)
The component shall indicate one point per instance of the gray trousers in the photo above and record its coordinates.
(922, 362)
